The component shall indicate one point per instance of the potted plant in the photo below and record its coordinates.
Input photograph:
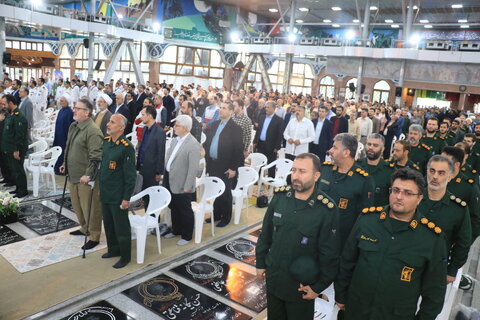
(8, 208)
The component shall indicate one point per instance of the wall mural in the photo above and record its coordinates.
(379, 38)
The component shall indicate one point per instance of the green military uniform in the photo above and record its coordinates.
(474, 159)
(296, 229)
(436, 143)
(451, 214)
(466, 189)
(470, 173)
(387, 264)
(351, 191)
(420, 156)
(410, 164)
(14, 139)
(117, 181)
(450, 139)
(381, 176)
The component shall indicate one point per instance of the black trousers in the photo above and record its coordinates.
(5, 168)
(19, 178)
(279, 309)
(271, 156)
(181, 209)
(222, 207)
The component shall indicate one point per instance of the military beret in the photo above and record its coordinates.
(305, 270)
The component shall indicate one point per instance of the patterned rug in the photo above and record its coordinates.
(45, 250)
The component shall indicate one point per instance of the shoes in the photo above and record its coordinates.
(120, 264)
(182, 242)
(20, 194)
(77, 233)
(109, 255)
(222, 224)
(465, 283)
(90, 245)
(209, 220)
(169, 236)
(8, 185)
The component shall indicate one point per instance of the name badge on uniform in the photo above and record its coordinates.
(276, 214)
(324, 181)
(112, 165)
(343, 203)
(304, 241)
(407, 274)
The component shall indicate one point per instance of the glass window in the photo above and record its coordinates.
(145, 66)
(170, 54)
(23, 45)
(308, 72)
(64, 64)
(348, 93)
(215, 60)
(187, 70)
(167, 68)
(216, 73)
(8, 44)
(327, 80)
(201, 57)
(16, 45)
(29, 46)
(78, 64)
(199, 71)
(125, 66)
(382, 85)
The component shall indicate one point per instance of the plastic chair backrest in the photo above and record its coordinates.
(401, 137)
(257, 160)
(159, 198)
(55, 153)
(39, 146)
(360, 148)
(203, 138)
(393, 143)
(284, 166)
(202, 164)
(247, 176)
(281, 153)
(213, 187)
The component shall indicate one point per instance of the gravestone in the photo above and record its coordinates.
(256, 233)
(8, 236)
(173, 300)
(240, 249)
(226, 280)
(42, 219)
(101, 310)
(67, 202)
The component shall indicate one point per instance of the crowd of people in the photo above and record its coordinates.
(351, 159)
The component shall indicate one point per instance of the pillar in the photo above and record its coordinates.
(153, 71)
(316, 85)
(2, 43)
(228, 78)
(461, 101)
(407, 28)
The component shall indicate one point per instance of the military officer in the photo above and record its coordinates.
(432, 138)
(117, 181)
(393, 256)
(467, 169)
(346, 182)
(379, 169)
(473, 156)
(401, 152)
(448, 212)
(15, 145)
(444, 133)
(420, 152)
(298, 249)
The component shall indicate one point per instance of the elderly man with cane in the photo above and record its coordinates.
(82, 156)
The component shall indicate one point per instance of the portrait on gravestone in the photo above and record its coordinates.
(240, 249)
(42, 219)
(101, 310)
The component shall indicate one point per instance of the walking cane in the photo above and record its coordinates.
(91, 183)
(59, 213)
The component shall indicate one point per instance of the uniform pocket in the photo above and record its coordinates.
(368, 246)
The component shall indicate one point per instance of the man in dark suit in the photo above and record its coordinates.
(141, 96)
(169, 103)
(269, 135)
(323, 134)
(151, 154)
(16, 84)
(132, 109)
(224, 154)
(26, 107)
(339, 122)
(120, 107)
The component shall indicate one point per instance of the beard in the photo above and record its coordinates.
(413, 142)
(373, 155)
(299, 186)
(433, 131)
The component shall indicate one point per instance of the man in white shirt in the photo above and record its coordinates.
(83, 91)
(59, 91)
(298, 134)
(366, 125)
(75, 91)
(93, 91)
(42, 96)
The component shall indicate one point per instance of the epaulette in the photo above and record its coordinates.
(425, 146)
(416, 166)
(458, 200)
(17, 113)
(372, 210)
(430, 225)
(125, 142)
(474, 171)
(325, 201)
(282, 189)
(359, 171)
(390, 165)
(470, 181)
(328, 163)
(107, 138)
(441, 137)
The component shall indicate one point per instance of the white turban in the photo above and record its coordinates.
(105, 97)
(67, 97)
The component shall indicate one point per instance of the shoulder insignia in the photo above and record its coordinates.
(325, 201)
(458, 180)
(430, 225)
(391, 165)
(425, 146)
(365, 210)
(442, 138)
(413, 224)
(383, 215)
(106, 138)
(280, 189)
(434, 138)
(328, 163)
(470, 181)
(124, 142)
(474, 171)
(458, 200)
(463, 169)
(17, 113)
(416, 167)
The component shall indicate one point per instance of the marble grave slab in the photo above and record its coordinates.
(101, 310)
(42, 219)
(256, 233)
(174, 300)
(240, 249)
(67, 204)
(226, 280)
(8, 236)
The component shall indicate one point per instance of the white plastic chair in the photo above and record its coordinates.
(203, 138)
(360, 148)
(284, 167)
(133, 138)
(43, 163)
(213, 188)
(201, 164)
(393, 143)
(247, 177)
(37, 146)
(256, 160)
(159, 199)
(281, 153)
(401, 137)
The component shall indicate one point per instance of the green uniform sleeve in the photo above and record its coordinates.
(328, 252)
(474, 209)
(95, 147)
(434, 284)
(368, 194)
(461, 245)
(348, 261)
(265, 238)
(21, 127)
(129, 172)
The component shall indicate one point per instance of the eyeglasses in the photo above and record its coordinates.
(76, 108)
(407, 193)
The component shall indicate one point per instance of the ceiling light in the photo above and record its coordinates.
(235, 35)
(414, 7)
(273, 10)
(373, 8)
(336, 25)
(336, 8)
(350, 34)
(464, 26)
(156, 27)
(292, 37)
(303, 9)
(356, 21)
(462, 21)
(424, 21)
(327, 20)
(415, 39)
(388, 21)
(428, 26)
(36, 3)
(395, 26)
(120, 16)
(457, 6)
(299, 21)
